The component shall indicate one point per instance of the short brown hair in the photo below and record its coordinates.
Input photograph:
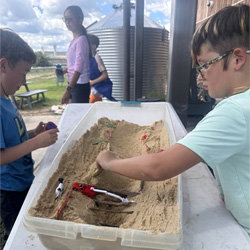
(94, 40)
(224, 31)
(14, 48)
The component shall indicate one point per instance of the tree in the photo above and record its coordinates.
(42, 59)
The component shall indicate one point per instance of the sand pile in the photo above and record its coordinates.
(154, 209)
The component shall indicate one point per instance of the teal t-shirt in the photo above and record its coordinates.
(17, 175)
(222, 140)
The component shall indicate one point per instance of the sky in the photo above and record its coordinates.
(39, 22)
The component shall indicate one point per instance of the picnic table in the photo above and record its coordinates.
(28, 97)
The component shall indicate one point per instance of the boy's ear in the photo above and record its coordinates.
(3, 64)
(240, 57)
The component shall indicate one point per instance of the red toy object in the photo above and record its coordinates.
(50, 125)
(84, 189)
(90, 192)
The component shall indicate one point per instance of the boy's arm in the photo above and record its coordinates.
(32, 133)
(102, 69)
(101, 78)
(151, 167)
(38, 130)
(8, 155)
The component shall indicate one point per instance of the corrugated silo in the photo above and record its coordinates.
(155, 52)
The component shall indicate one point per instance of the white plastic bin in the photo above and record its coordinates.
(56, 234)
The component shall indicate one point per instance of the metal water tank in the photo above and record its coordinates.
(155, 52)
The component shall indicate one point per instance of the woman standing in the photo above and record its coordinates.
(78, 54)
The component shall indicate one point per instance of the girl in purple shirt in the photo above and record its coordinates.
(78, 54)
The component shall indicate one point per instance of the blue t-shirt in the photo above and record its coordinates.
(17, 175)
(222, 140)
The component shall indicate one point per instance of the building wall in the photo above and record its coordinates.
(204, 12)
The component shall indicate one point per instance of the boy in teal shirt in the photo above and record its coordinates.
(16, 143)
(221, 49)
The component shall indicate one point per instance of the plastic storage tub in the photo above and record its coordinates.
(56, 234)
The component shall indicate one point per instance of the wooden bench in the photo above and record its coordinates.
(28, 97)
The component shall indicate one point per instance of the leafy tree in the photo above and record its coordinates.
(42, 60)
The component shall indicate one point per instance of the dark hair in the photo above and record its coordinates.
(14, 48)
(76, 11)
(224, 31)
(94, 40)
(78, 14)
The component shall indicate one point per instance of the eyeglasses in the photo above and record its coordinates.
(217, 59)
(67, 19)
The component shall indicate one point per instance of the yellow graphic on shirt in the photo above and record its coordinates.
(19, 126)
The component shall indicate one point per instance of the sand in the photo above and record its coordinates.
(155, 208)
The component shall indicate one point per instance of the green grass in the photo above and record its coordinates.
(45, 79)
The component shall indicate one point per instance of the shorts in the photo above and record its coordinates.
(80, 93)
(11, 203)
(93, 99)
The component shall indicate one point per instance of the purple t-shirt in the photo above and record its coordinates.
(78, 59)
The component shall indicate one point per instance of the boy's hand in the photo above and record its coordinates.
(40, 128)
(104, 159)
(91, 82)
(47, 138)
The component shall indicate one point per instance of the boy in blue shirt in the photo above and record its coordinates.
(221, 48)
(99, 80)
(16, 143)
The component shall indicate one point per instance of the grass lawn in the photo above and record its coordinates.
(44, 79)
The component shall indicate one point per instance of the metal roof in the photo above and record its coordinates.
(115, 20)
